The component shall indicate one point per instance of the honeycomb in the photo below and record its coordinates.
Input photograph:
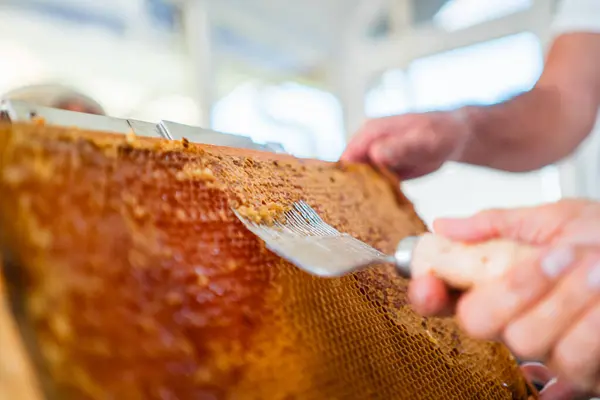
(137, 281)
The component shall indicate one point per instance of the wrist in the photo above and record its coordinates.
(464, 128)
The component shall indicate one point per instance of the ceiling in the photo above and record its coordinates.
(297, 36)
(280, 34)
(276, 37)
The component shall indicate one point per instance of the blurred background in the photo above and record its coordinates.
(305, 74)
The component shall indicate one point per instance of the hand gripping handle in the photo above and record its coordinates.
(460, 265)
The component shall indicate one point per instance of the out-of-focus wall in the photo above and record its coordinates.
(130, 70)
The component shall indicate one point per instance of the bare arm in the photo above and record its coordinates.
(547, 123)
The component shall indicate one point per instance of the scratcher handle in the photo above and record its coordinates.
(462, 265)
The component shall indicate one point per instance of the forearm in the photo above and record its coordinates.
(545, 124)
(525, 133)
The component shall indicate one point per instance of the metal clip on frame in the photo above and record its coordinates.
(19, 111)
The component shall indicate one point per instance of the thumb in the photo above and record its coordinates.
(535, 225)
(558, 389)
(553, 387)
(537, 373)
(485, 225)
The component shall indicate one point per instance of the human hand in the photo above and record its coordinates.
(546, 309)
(553, 388)
(410, 145)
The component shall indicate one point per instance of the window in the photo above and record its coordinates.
(306, 121)
(163, 13)
(19, 66)
(389, 95)
(484, 73)
(85, 59)
(99, 14)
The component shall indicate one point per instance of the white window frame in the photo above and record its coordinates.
(365, 58)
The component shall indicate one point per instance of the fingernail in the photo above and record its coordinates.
(557, 260)
(548, 385)
(594, 277)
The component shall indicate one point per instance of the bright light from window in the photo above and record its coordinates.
(460, 14)
(117, 96)
(389, 96)
(314, 110)
(483, 73)
(175, 108)
(238, 113)
(18, 66)
(306, 121)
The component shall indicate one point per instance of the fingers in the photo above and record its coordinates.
(533, 225)
(403, 158)
(557, 389)
(553, 387)
(429, 296)
(484, 225)
(426, 142)
(486, 310)
(359, 146)
(537, 373)
(409, 151)
(577, 355)
(410, 145)
(545, 310)
(534, 332)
